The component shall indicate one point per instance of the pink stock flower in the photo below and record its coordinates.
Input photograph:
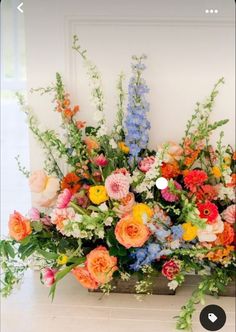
(100, 160)
(34, 214)
(117, 186)
(168, 195)
(229, 214)
(145, 164)
(64, 199)
(48, 276)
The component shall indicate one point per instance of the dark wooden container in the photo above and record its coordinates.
(159, 286)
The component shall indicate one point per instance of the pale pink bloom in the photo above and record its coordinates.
(100, 160)
(229, 214)
(117, 186)
(145, 164)
(37, 181)
(82, 199)
(34, 214)
(208, 234)
(168, 196)
(125, 206)
(64, 199)
(122, 171)
(48, 196)
(48, 276)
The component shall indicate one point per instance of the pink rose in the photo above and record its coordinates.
(100, 160)
(145, 164)
(37, 181)
(48, 276)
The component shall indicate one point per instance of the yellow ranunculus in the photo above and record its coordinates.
(190, 231)
(123, 147)
(62, 259)
(98, 194)
(216, 171)
(142, 212)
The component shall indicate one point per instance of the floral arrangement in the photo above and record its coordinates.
(109, 215)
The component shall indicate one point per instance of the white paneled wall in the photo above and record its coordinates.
(187, 52)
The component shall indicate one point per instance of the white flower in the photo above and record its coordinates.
(226, 192)
(108, 221)
(113, 144)
(208, 234)
(103, 207)
(175, 244)
(173, 284)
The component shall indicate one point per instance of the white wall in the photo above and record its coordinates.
(187, 52)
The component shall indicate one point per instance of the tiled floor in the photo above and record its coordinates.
(75, 310)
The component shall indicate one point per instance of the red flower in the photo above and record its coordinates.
(100, 160)
(170, 269)
(206, 193)
(209, 211)
(194, 179)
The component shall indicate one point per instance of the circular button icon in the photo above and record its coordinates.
(161, 183)
(212, 317)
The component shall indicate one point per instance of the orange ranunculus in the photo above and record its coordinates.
(232, 184)
(226, 237)
(131, 232)
(72, 182)
(91, 144)
(19, 226)
(83, 276)
(101, 265)
(169, 171)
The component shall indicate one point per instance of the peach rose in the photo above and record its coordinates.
(226, 237)
(19, 226)
(208, 234)
(131, 233)
(38, 181)
(101, 265)
(48, 196)
(173, 153)
(126, 205)
(83, 276)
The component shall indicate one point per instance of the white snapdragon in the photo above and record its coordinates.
(173, 284)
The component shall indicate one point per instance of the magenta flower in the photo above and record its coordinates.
(168, 195)
(48, 276)
(64, 199)
(100, 160)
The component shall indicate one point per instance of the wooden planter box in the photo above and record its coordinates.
(160, 286)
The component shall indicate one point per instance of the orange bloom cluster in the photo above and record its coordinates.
(72, 182)
(190, 153)
(19, 226)
(220, 254)
(170, 170)
(226, 237)
(232, 184)
(98, 270)
(65, 108)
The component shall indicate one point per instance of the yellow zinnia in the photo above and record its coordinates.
(98, 194)
(216, 171)
(142, 212)
(190, 231)
(123, 147)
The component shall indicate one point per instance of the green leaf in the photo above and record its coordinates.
(47, 254)
(37, 226)
(9, 249)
